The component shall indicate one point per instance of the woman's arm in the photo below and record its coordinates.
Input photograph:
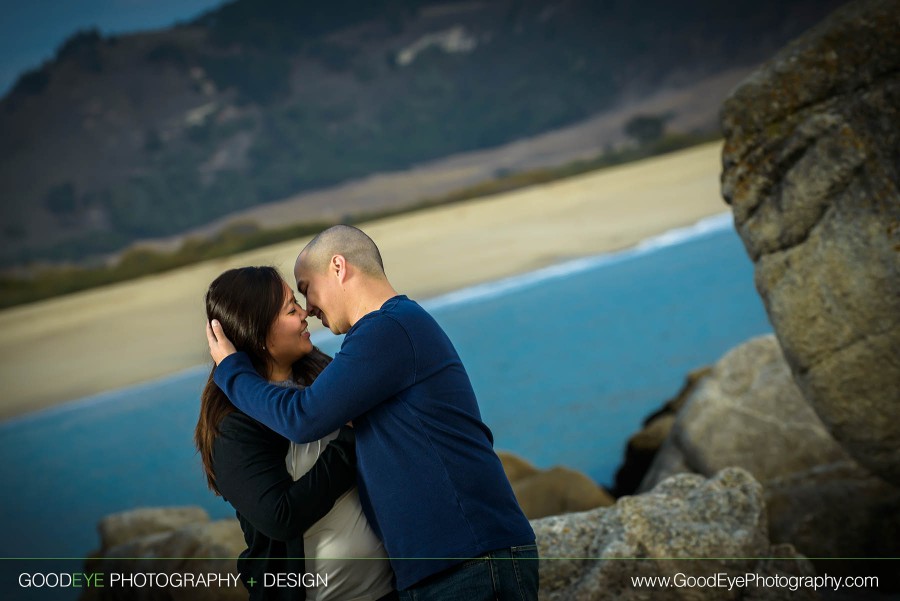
(249, 465)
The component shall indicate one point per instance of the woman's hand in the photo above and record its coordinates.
(219, 346)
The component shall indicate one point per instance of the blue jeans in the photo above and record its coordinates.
(501, 575)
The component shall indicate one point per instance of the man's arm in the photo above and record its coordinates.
(252, 476)
(375, 362)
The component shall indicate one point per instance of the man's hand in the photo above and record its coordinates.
(219, 346)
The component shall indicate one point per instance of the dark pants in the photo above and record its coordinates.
(501, 575)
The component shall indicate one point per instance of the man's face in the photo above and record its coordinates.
(320, 289)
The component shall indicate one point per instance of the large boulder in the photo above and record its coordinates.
(685, 529)
(168, 541)
(811, 168)
(119, 528)
(748, 412)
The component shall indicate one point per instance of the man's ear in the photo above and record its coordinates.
(338, 266)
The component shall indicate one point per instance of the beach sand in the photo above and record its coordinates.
(106, 338)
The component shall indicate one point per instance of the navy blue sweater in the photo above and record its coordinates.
(429, 480)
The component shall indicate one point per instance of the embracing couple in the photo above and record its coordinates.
(372, 469)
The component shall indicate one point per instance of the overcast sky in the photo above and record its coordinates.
(32, 30)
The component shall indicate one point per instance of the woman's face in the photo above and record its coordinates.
(288, 338)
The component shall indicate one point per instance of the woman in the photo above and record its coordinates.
(293, 501)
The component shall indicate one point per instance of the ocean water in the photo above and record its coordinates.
(566, 362)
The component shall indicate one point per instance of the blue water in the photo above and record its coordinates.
(566, 363)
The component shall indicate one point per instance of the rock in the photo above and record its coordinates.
(558, 490)
(551, 492)
(747, 412)
(811, 168)
(721, 520)
(643, 446)
(515, 467)
(835, 511)
(201, 547)
(669, 461)
(122, 527)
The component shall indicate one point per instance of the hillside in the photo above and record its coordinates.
(149, 135)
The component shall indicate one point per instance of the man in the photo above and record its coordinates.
(429, 480)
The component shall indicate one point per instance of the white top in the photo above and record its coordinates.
(343, 533)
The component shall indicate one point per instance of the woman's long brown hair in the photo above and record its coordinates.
(246, 301)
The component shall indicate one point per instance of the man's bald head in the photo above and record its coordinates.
(352, 243)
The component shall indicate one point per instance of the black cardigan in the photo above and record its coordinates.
(274, 511)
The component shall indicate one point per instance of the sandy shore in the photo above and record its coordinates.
(73, 346)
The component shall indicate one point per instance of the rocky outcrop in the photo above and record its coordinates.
(748, 412)
(687, 526)
(553, 491)
(167, 540)
(811, 168)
